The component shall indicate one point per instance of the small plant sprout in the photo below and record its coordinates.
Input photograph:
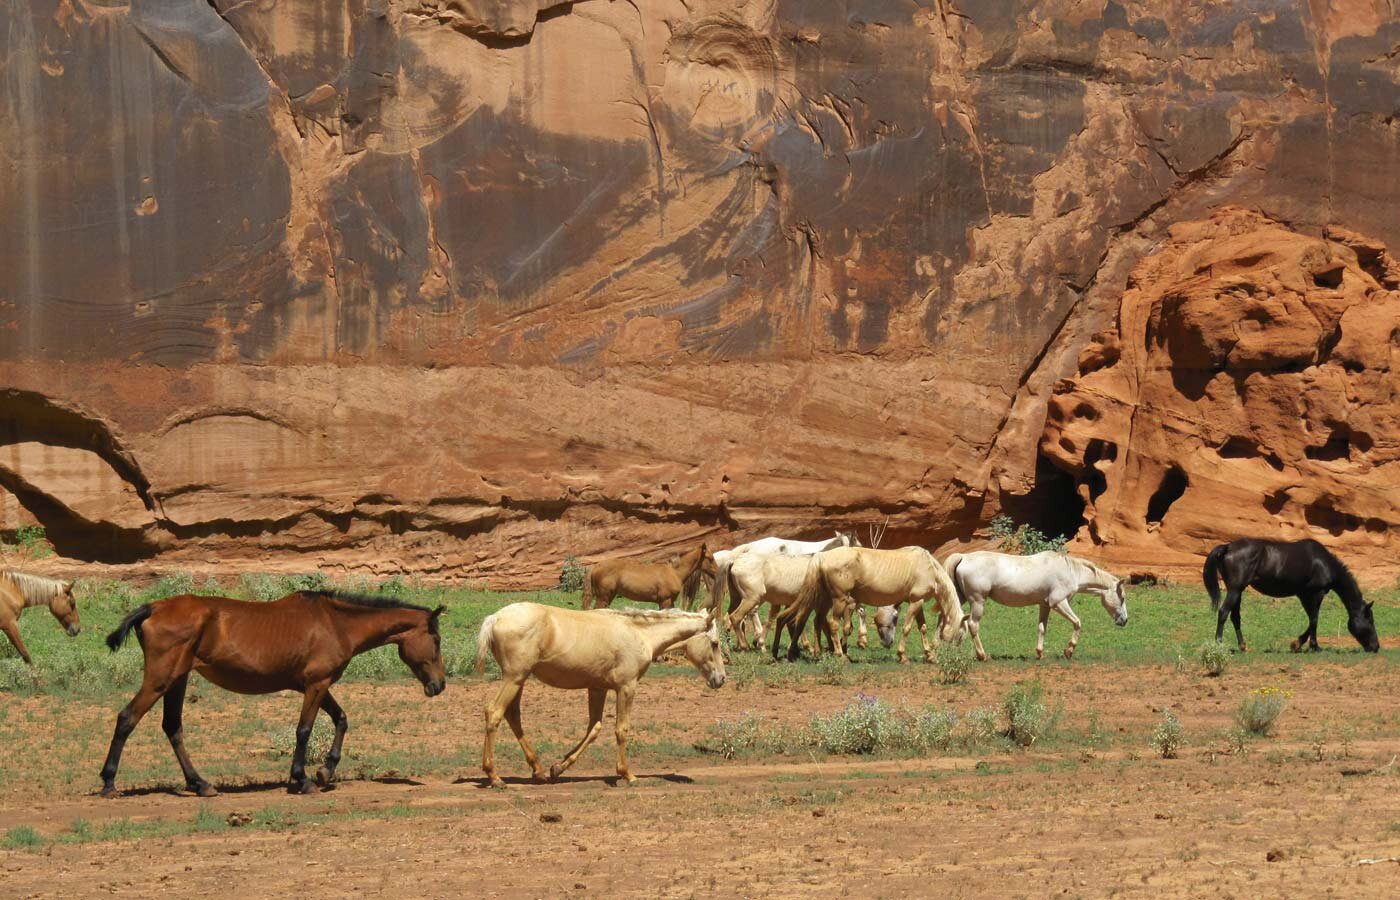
(1215, 659)
(1168, 737)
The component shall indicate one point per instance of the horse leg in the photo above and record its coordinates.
(298, 783)
(737, 617)
(596, 698)
(1040, 630)
(161, 671)
(974, 626)
(1231, 602)
(624, 728)
(916, 617)
(518, 729)
(756, 622)
(1063, 608)
(11, 629)
(834, 632)
(1239, 633)
(862, 639)
(326, 774)
(495, 712)
(1312, 603)
(172, 721)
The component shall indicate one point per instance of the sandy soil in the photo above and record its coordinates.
(1076, 817)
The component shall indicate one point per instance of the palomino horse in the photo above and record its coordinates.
(1049, 578)
(756, 578)
(643, 582)
(1280, 569)
(302, 642)
(19, 591)
(602, 650)
(725, 559)
(856, 575)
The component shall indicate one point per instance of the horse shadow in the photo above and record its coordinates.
(258, 787)
(483, 783)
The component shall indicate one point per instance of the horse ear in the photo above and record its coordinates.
(1369, 605)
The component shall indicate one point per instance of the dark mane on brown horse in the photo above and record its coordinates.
(372, 601)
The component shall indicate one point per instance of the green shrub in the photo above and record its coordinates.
(865, 725)
(1026, 714)
(379, 664)
(1258, 712)
(169, 585)
(282, 743)
(832, 669)
(1168, 737)
(259, 586)
(739, 737)
(981, 725)
(933, 729)
(1023, 539)
(21, 837)
(953, 661)
(32, 539)
(572, 575)
(1215, 659)
(458, 653)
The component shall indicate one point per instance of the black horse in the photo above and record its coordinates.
(1283, 569)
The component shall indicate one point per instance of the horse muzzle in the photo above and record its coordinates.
(433, 688)
(716, 681)
(1121, 622)
(74, 629)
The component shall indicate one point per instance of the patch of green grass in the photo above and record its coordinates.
(21, 837)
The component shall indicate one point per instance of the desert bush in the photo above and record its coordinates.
(933, 729)
(282, 743)
(572, 575)
(980, 725)
(33, 540)
(865, 725)
(1023, 539)
(1026, 715)
(738, 737)
(169, 585)
(953, 662)
(259, 586)
(832, 669)
(1215, 659)
(1168, 737)
(1260, 710)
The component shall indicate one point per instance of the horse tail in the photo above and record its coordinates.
(1211, 574)
(950, 565)
(721, 584)
(809, 596)
(484, 639)
(691, 587)
(587, 601)
(133, 620)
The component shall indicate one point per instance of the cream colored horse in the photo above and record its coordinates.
(1048, 579)
(599, 650)
(725, 559)
(19, 591)
(855, 575)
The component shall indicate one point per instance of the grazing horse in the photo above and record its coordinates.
(601, 650)
(857, 575)
(19, 591)
(302, 642)
(725, 559)
(1282, 569)
(643, 582)
(1048, 579)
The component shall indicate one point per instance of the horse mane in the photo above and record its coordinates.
(1344, 580)
(653, 615)
(34, 587)
(373, 601)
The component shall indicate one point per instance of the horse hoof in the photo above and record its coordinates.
(1244, 648)
(555, 772)
(324, 776)
(539, 777)
(1069, 653)
(110, 792)
(496, 783)
(1040, 654)
(304, 787)
(202, 789)
(626, 779)
(1295, 646)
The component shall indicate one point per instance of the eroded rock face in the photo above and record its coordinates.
(463, 286)
(1248, 389)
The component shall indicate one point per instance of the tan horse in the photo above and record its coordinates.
(600, 651)
(854, 575)
(643, 582)
(19, 591)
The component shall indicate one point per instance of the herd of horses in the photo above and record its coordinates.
(303, 642)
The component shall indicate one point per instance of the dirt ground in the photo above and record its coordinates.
(1092, 812)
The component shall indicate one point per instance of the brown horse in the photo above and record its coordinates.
(659, 583)
(19, 591)
(302, 642)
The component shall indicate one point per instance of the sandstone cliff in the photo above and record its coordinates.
(461, 286)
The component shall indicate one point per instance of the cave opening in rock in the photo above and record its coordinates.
(1169, 490)
(1053, 506)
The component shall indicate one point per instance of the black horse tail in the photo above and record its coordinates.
(133, 620)
(1212, 574)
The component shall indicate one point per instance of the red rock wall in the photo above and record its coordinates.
(460, 287)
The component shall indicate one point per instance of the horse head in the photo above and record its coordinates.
(1361, 622)
(420, 648)
(705, 652)
(1114, 597)
(64, 607)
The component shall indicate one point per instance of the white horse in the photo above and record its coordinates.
(724, 559)
(1049, 579)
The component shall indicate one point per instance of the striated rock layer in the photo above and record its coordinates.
(461, 287)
